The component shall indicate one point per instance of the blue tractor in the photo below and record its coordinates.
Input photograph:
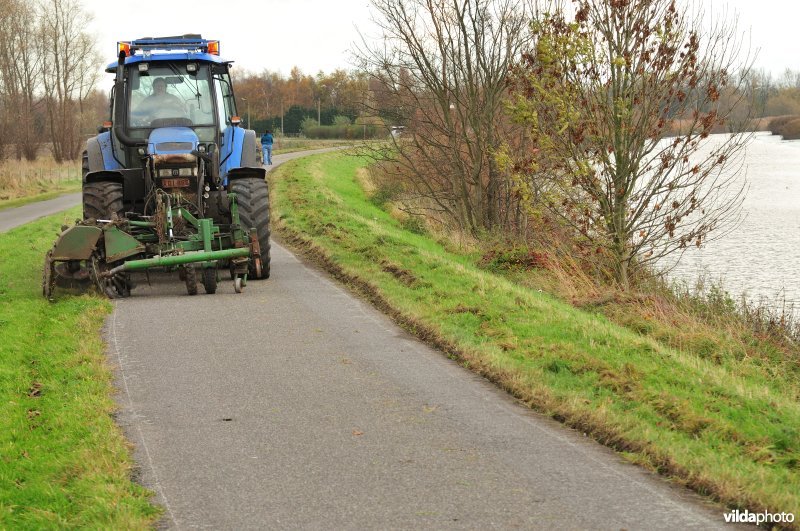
(172, 181)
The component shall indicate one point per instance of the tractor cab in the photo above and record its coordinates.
(172, 82)
(173, 122)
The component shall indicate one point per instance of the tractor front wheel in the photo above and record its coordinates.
(252, 196)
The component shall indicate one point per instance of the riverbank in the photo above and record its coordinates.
(725, 427)
(63, 461)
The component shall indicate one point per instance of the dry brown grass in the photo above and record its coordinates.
(22, 178)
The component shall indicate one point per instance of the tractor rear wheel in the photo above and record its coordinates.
(102, 200)
(252, 195)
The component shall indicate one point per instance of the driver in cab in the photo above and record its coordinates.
(161, 104)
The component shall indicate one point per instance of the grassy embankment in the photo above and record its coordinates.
(727, 426)
(23, 182)
(63, 460)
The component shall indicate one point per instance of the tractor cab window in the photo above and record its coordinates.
(169, 95)
(222, 83)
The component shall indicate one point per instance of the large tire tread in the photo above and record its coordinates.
(253, 199)
(101, 200)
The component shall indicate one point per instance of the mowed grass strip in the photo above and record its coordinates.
(63, 461)
(728, 433)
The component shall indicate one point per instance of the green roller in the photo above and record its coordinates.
(180, 259)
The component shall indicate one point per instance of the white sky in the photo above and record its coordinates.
(316, 34)
(256, 34)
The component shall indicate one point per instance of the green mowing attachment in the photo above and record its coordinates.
(102, 253)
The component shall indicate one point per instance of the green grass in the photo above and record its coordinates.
(725, 428)
(63, 460)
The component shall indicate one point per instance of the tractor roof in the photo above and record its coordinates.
(179, 48)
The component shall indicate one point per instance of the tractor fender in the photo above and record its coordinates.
(249, 149)
(103, 176)
(239, 150)
(132, 181)
(101, 153)
(244, 173)
(95, 155)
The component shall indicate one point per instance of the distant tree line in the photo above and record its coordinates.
(48, 71)
(290, 104)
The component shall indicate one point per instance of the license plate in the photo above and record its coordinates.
(174, 183)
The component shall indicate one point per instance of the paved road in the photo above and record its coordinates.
(295, 405)
(12, 217)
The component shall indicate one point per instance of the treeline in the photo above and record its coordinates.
(774, 95)
(295, 103)
(48, 71)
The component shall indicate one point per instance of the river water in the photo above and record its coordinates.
(760, 258)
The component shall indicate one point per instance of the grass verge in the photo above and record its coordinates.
(723, 427)
(63, 460)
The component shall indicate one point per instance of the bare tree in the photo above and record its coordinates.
(600, 91)
(69, 65)
(439, 69)
(20, 71)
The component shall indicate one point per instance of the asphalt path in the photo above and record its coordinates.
(297, 405)
(12, 217)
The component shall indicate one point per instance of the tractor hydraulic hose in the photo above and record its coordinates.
(178, 259)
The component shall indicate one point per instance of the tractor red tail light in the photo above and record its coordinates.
(213, 47)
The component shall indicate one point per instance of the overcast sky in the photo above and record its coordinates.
(316, 34)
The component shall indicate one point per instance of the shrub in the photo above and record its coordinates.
(344, 131)
(791, 130)
(776, 125)
(385, 193)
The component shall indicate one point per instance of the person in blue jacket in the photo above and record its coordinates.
(266, 147)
